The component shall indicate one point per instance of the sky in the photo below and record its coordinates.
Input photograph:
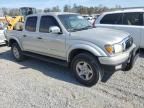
(41, 4)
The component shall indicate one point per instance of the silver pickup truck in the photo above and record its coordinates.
(69, 39)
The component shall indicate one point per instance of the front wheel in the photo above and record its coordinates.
(86, 69)
(17, 53)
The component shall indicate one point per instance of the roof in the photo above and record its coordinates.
(52, 13)
(126, 10)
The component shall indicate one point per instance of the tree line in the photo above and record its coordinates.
(67, 8)
(82, 9)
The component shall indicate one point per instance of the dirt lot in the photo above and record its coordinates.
(37, 84)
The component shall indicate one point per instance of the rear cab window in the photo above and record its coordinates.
(31, 23)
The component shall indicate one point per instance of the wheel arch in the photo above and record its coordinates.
(81, 48)
(14, 40)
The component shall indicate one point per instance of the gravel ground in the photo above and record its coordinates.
(37, 84)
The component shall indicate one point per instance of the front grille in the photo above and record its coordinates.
(128, 43)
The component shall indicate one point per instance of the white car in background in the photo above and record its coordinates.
(2, 36)
(89, 18)
(129, 20)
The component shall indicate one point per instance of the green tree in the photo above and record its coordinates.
(67, 8)
(46, 10)
(56, 9)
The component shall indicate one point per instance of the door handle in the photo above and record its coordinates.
(24, 35)
(39, 38)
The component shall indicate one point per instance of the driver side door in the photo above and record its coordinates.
(52, 44)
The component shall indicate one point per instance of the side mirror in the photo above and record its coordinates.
(55, 30)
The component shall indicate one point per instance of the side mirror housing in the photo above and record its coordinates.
(54, 30)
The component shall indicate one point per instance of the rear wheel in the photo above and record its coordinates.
(86, 69)
(17, 53)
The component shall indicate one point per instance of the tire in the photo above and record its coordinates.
(89, 74)
(130, 65)
(17, 53)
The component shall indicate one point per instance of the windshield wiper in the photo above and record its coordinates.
(73, 30)
(79, 29)
(87, 27)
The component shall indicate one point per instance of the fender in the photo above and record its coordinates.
(14, 38)
(95, 50)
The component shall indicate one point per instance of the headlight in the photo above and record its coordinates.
(118, 48)
(114, 49)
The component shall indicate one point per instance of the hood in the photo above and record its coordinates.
(100, 35)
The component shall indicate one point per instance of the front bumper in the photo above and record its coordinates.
(119, 61)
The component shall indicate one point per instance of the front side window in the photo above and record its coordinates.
(133, 19)
(74, 22)
(47, 22)
(112, 19)
(31, 24)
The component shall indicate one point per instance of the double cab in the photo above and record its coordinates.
(67, 38)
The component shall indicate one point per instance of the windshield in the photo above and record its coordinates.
(74, 22)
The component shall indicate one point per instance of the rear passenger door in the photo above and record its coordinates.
(29, 37)
(51, 44)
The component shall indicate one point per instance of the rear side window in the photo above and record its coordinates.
(112, 19)
(47, 22)
(133, 19)
(31, 24)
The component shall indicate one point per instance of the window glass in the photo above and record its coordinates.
(47, 22)
(112, 19)
(75, 22)
(133, 19)
(31, 24)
